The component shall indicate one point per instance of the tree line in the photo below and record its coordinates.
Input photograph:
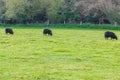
(60, 11)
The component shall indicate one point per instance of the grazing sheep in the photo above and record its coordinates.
(111, 35)
(9, 31)
(47, 32)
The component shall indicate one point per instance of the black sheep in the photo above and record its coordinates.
(9, 31)
(111, 35)
(47, 32)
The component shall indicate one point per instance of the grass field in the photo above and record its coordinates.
(70, 54)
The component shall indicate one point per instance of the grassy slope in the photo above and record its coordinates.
(69, 55)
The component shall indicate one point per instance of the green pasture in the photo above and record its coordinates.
(70, 54)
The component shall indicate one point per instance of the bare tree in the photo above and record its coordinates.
(112, 9)
(103, 9)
